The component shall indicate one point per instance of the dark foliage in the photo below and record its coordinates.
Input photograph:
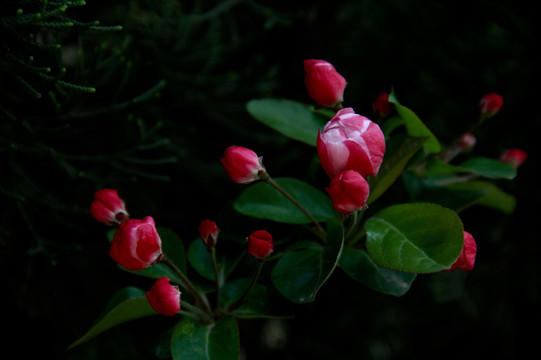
(148, 109)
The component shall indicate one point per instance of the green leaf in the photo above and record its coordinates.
(390, 124)
(201, 260)
(193, 340)
(299, 275)
(127, 304)
(416, 127)
(489, 168)
(360, 267)
(491, 195)
(262, 201)
(258, 303)
(417, 238)
(293, 119)
(400, 150)
(173, 247)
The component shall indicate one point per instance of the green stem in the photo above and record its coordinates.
(266, 177)
(188, 285)
(215, 268)
(255, 276)
(196, 310)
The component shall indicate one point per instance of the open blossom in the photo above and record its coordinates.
(515, 157)
(108, 207)
(208, 231)
(136, 244)
(466, 259)
(242, 164)
(350, 142)
(324, 84)
(348, 191)
(164, 297)
(260, 244)
(490, 104)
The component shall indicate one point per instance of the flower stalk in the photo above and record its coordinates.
(255, 276)
(263, 175)
(200, 301)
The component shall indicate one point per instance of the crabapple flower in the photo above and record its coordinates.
(490, 105)
(324, 84)
(242, 164)
(381, 105)
(136, 244)
(467, 141)
(515, 157)
(348, 191)
(260, 244)
(164, 297)
(108, 208)
(350, 142)
(208, 231)
(466, 259)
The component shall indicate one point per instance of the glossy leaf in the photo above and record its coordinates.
(261, 200)
(293, 119)
(299, 275)
(417, 238)
(415, 127)
(200, 259)
(489, 168)
(399, 151)
(193, 340)
(491, 195)
(360, 267)
(127, 304)
(258, 303)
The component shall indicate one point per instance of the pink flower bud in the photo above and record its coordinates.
(164, 297)
(381, 105)
(242, 165)
(348, 191)
(108, 208)
(466, 259)
(515, 157)
(324, 84)
(260, 244)
(467, 141)
(208, 231)
(350, 142)
(136, 244)
(490, 105)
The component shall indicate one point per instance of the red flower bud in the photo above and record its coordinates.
(381, 105)
(350, 142)
(467, 141)
(108, 208)
(242, 165)
(136, 244)
(466, 259)
(208, 231)
(348, 191)
(515, 157)
(490, 105)
(260, 244)
(324, 84)
(164, 297)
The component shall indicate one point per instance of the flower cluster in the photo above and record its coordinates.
(403, 239)
(137, 245)
(350, 147)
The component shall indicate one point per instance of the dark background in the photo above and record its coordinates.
(162, 153)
